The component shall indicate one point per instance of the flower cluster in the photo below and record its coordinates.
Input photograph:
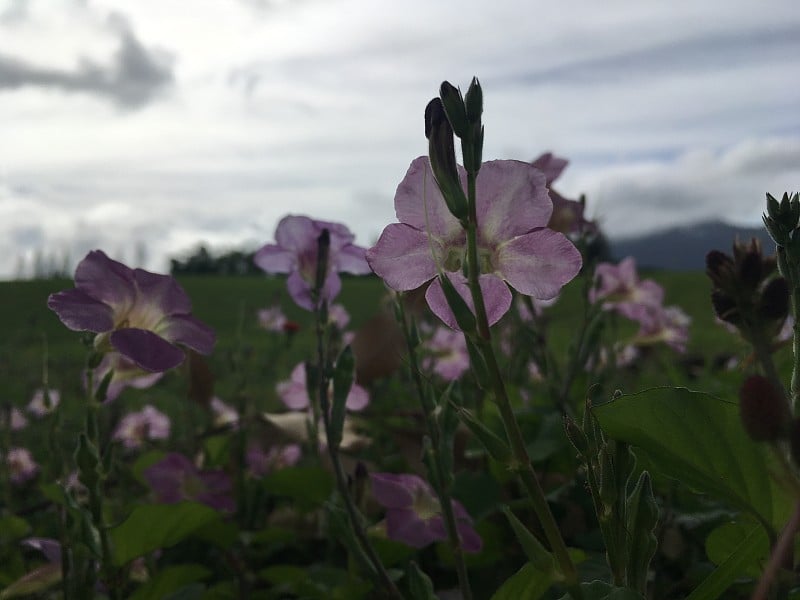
(568, 215)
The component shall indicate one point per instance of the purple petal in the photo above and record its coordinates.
(352, 259)
(166, 476)
(511, 199)
(274, 259)
(402, 257)
(341, 236)
(419, 203)
(50, 548)
(403, 525)
(80, 312)
(551, 165)
(162, 291)
(539, 263)
(148, 350)
(496, 298)
(218, 491)
(357, 399)
(470, 540)
(106, 280)
(189, 331)
(394, 491)
(294, 395)
(299, 290)
(297, 234)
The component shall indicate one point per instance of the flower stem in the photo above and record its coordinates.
(522, 466)
(441, 488)
(795, 385)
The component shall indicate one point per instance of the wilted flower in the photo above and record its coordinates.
(621, 290)
(448, 356)
(295, 253)
(259, 463)
(568, 215)
(21, 466)
(294, 393)
(39, 406)
(174, 478)
(139, 314)
(514, 245)
(224, 414)
(137, 427)
(414, 515)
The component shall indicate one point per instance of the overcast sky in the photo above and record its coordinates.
(158, 124)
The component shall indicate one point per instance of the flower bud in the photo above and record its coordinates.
(442, 155)
(763, 409)
(454, 108)
(774, 302)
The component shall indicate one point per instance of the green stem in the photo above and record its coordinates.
(441, 488)
(795, 386)
(522, 466)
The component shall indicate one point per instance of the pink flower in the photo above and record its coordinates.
(39, 406)
(338, 315)
(17, 418)
(174, 478)
(620, 289)
(140, 315)
(137, 427)
(568, 215)
(295, 253)
(224, 414)
(514, 245)
(294, 393)
(669, 325)
(414, 515)
(448, 357)
(260, 463)
(22, 468)
(272, 319)
(125, 374)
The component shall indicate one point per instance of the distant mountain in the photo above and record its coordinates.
(684, 248)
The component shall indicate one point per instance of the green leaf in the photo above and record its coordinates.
(34, 582)
(722, 542)
(308, 486)
(698, 439)
(529, 583)
(153, 526)
(170, 580)
(343, 375)
(419, 584)
(752, 547)
(12, 528)
(600, 590)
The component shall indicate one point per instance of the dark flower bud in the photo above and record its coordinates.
(774, 302)
(443, 158)
(719, 267)
(764, 410)
(725, 307)
(474, 102)
(454, 108)
(750, 269)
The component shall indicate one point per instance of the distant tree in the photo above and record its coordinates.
(202, 262)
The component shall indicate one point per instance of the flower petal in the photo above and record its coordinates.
(403, 525)
(162, 291)
(81, 312)
(297, 233)
(189, 331)
(106, 280)
(352, 259)
(402, 257)
(511, 199)
(496, 298)
(148, 350)
(539, 263)
(552, 166)
(394, 490)
(419, 194)
(299, 290)
(274, 259)
(357, 399)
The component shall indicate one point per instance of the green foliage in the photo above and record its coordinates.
(169, 580)
(529, 583)
(307, 486)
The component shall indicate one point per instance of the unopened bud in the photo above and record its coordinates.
(764, 410)
(774, 301)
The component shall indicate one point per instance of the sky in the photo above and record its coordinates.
(146, 128)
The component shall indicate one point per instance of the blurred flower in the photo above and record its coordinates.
(259, 463)
(139, 314)
(174, 478)
(338, 315)
(294, 425)
(272, 319)
(224, 414)
(50, 548)
(669, 325)
(448, 356)
(21, 466)
(39, 405)
(414, 515)
(538, 307)
(147, 424)
(294, 393)
(295, 253)
(17, 418)
(619, 288)
(568, 215)
(514, 245)
(125, 374)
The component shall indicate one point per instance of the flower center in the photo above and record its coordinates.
(425, 505)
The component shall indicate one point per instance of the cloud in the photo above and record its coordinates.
(134, 78)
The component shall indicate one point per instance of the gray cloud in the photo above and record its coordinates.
(135, 77)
